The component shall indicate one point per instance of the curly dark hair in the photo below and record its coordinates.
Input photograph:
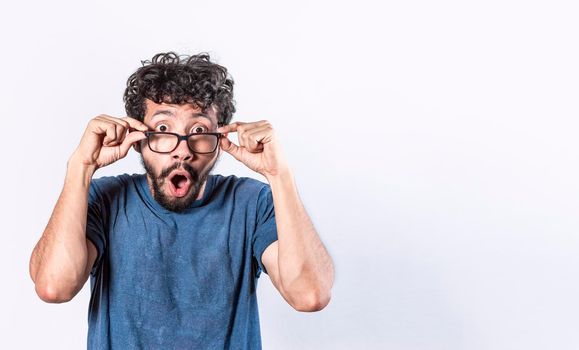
(177, 79)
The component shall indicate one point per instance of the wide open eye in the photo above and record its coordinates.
(198, 129)
(162, 127)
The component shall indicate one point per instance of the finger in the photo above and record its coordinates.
(110, 134)
(241, 126)
(127, 124)
(245, 129)
(119, 135)
(121, 132)
(123, 125)
(121, 128)
(230, 127)
(132, 137)
(256, 138)
(231, 148)
(136, 124)
(242, 134)
(119, 121)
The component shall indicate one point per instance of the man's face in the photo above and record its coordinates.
(176, 179)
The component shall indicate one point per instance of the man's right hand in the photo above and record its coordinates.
(63, 257)
(106, 140)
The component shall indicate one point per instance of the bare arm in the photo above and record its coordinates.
(63, 257)
(298, 263)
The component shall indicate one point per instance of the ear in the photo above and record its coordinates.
(137, 147)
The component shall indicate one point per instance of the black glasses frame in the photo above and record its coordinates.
(181, 138)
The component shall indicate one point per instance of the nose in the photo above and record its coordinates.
(182, 152)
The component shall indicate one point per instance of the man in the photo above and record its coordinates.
(174, 254)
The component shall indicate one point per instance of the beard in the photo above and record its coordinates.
(167, 201)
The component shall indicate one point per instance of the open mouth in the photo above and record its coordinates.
(179, 183)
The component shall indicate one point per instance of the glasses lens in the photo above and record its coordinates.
(163, 142)
(203, 143)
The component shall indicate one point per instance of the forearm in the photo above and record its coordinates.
(305, 267)
(58, 263)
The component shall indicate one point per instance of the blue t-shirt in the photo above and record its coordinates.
(166, 280)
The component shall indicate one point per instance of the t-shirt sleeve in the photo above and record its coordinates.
(95, 225)
(266, 230)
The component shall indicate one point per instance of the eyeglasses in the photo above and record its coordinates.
(167, 142)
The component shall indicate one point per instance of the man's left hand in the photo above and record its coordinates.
(258, 147)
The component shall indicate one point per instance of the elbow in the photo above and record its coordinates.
(308, 294)
(312, 301)
(52, 294)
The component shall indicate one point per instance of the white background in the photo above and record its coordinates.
(434, 144)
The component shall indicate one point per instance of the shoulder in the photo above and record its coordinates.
(108, 186)
(238, 185)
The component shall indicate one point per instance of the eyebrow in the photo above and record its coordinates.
(170, 113)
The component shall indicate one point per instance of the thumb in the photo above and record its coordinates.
(231, 148)
(131, 138)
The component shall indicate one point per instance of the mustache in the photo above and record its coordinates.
(188, 168)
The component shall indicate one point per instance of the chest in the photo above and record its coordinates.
(197, 259)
